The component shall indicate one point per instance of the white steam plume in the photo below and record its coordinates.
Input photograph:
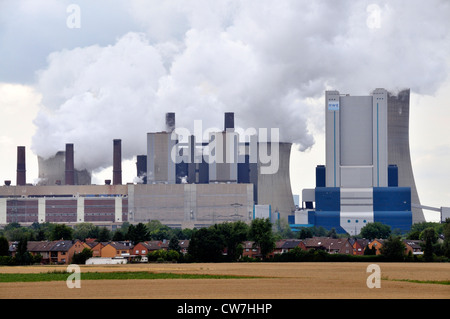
(263, 60)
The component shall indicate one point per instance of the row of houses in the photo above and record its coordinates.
(62, 251)
(348, 246)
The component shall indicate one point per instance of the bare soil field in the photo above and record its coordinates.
(278, 281)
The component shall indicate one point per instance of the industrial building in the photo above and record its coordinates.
(187, 181)
(180, 185)
(367, 176)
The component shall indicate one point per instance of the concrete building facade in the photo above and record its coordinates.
(358, 183)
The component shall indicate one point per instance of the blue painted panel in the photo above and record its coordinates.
(395, 219)
(392, 199)
(320, 176)
(311, 217)
(328, 220)
(392, 176)
(291, 219)
(297, 227)
(328, 199)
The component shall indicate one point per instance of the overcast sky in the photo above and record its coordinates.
(86, 72)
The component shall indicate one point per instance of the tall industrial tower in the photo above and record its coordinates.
(368, 174)
(398, 147)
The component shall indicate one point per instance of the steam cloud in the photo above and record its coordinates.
(264, 60)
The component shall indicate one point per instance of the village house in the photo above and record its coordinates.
(330, 245)
(52, 252)
(145, 247)
(249, 250)
(413, 246)
(377, 244)
(359, 245)
(290, 244)
(117, 249)
(184, 245)
(96, 248)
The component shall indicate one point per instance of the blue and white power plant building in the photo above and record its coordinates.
(367, 176)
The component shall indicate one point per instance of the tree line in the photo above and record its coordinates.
(209, 244)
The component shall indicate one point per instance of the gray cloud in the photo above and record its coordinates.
(260, 59)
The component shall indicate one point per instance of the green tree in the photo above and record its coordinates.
(420, 227)
(446, 233)
(23, 257)
(104, 234)
(233, 234)
(4, 246)
(118, 235)
(261, 233)
(138, 233)
(158, 231)
(61, 231)
(283, 230)
(81, 257)
(375, 230)
(413, 235)
(429, 236)
(206, 245)
(332, 233)
(305, 232)
(174, 244)
(172, 255)
(370, 251)
(85, 230)
(393, 248)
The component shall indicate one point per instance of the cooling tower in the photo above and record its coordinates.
(275, 189)
(398, 144)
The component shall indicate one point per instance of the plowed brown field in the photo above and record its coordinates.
(280, 281)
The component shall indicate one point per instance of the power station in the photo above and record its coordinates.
(184, 183)
(367, 176)
(189, 181)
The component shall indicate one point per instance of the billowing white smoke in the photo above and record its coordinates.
(269, 62)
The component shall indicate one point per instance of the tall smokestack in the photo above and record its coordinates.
(117, 162)
(21, 171)
(229, 121)
(70, 170)
(141, 165)
(170, 122)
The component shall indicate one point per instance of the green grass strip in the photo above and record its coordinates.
(62, 276)
(436, 282)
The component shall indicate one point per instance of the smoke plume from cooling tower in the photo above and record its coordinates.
(264, 62)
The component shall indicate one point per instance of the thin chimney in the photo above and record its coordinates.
(117, 162)
(170, 122)
(70, 170)
(229, 121)
(21, 169)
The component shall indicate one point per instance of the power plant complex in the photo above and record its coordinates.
(189, 182)
(185, 184)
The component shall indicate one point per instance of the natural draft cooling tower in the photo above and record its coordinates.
(398, 146)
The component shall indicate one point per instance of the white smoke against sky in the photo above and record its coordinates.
(263, 60)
